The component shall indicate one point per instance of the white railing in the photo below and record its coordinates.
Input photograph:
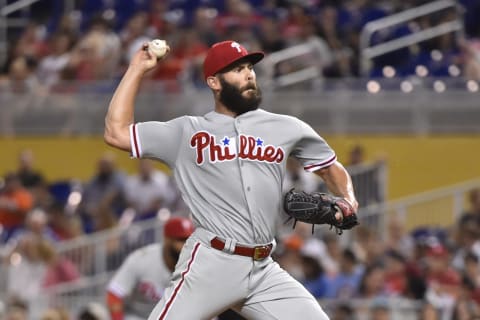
(369, 52)
(104, 251)
(440, 207)
(313, 54)
(343, 106)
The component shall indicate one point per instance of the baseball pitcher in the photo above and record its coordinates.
(229, 166)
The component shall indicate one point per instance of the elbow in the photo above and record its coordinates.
(109, 137)
(117, 137)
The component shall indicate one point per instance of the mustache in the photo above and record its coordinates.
(249, 86)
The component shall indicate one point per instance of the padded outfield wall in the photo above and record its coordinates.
(415, 163)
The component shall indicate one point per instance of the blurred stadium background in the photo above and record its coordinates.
(392, 85)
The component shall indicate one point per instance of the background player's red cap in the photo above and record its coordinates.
(178, 228)
(223, 54)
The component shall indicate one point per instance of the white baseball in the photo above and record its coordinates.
(158, 48)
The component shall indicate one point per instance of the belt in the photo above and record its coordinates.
(257, 253)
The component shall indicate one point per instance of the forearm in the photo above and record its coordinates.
(338, 182)
(120, 113)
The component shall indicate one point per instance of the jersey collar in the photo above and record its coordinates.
(220, 117)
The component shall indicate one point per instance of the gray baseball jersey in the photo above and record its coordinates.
(230, 170)
(141, 280)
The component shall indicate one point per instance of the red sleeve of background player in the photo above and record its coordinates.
(115, 306)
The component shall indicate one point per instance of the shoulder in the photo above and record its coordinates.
(267, 115)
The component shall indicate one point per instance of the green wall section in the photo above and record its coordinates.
(415, 163)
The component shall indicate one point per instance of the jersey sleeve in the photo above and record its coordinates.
(312, 150)
(124, 280)
(160, 140)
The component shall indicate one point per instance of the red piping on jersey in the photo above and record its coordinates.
(179, 285)
(323, 164)
(135, 145)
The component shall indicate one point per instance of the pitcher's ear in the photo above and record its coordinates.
(213, 83)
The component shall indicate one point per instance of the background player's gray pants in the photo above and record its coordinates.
(207, 281)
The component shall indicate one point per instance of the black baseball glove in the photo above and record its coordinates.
(319, 208)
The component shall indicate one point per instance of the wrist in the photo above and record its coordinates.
(135, 71)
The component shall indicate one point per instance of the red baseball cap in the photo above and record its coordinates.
(437, 251)
(178, 228)
(222, 54)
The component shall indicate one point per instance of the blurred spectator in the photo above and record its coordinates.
(51, 66)
(31, 42)
(237, 14)
(16, 309)
(59, 268)
(343, 312)
(29, 176)
(344, 284)
(270, 39)
(367, 245)
(36, 224)
(380, 310)
(103, 196)
(471, 56)
(314, 280)
(356, 155)
(135, 33)
(467, 239)
(149, 190)
(331, 259)
(474, 206)
(186, 57)
(34, 265)
(396, 278)
(398, 239)
(443, 282)
(372, 284)
(55, 314)
(63, 225)
(94, 311)
(97, 53)
(466, 307)
(15, 202)
(21, 76)
(27, 267)
(471, 277)
(290, 258)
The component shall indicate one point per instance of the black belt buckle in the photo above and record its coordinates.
(261, 252)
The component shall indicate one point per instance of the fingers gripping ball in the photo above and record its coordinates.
(158, 48)
(320, 208)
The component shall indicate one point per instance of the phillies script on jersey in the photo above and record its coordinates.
(250, 148)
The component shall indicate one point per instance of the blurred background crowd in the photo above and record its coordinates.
(96, 41)
(57, 232)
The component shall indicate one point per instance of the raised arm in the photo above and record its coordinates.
(121, 110)
(338, 182)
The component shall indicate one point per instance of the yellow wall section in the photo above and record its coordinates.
(60, 158)
(415, 163)
(418, 163)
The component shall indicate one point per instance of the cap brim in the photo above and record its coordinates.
(253, 57)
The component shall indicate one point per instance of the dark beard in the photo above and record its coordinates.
(174, 254)
(231, 97)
